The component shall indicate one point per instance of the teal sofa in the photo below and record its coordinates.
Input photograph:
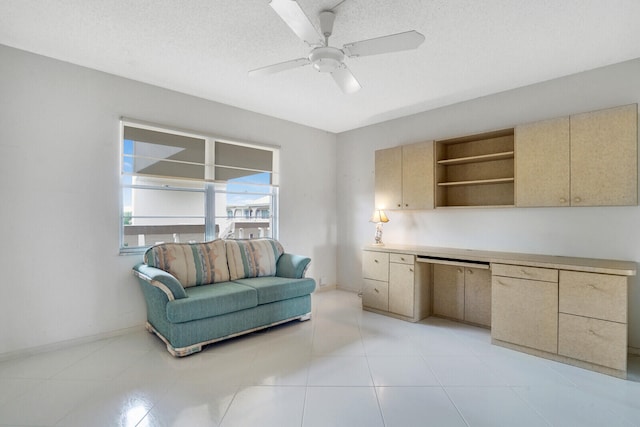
(200, 293)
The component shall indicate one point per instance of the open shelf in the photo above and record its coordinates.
(477, 182)
(478, 159)
(476, 170)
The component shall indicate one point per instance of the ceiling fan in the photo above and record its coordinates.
(327, 59)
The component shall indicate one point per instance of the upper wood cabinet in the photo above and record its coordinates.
(604, 157)
(588, 159)
(543, 163)
(404, 177)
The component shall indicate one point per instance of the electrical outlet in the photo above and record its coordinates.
(322, 281)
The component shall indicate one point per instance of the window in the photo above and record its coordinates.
(181, 187)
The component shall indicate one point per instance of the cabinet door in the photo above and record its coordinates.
(593, 340)
(448, 291)
(401, 289)
(604, 157)
(418, 176)
(525, 312)
(388, 178)
(542, 158)
(602, 296)
(375, 265)
(477, 296)
(375, 294)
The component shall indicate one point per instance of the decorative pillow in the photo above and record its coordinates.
(253, 258)
(193, 264)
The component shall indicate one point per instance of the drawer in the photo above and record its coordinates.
(524, 272)
(375, 265)
(602, 296)
(402, 258)
(375, 294)
(591, 340)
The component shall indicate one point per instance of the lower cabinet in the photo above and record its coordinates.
(525, 311)
(395, 285)
(593, 318)
(462, 293)
(575, 317)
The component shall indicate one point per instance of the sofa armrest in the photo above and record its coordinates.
(162, 280)
(292, 266)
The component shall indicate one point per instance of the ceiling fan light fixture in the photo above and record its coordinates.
(326, 59)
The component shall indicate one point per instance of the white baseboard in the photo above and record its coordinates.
(325, 288)
(60, 345)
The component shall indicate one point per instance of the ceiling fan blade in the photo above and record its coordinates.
(346, 80)
(385, 44)
(276, 68)
(293, 15)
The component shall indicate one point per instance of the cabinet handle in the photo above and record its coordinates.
(592, 332)
(406, 205)
(500, 282)
(411, 270)
(592, 286)
(470, 271)
(377, 291)
(563, 200)
(577, 199)
(525, 272)
(375, 260)
(401, 258)
(399, 205)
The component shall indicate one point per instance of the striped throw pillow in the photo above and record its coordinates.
(193, 264)
(253, 258)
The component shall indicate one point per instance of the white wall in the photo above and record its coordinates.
(589, 232)
(61, 275)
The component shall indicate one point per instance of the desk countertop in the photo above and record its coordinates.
(591, 265)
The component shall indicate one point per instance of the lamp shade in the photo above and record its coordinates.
(379, 216)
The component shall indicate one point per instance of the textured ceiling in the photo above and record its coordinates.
(205, 48)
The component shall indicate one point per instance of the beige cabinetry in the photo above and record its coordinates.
(401, 284)
(587, 159)
(543, 163)
(375, 271)
(462, 292)
(525, 306)
(393, 283)
(593, 318)
(404, 177)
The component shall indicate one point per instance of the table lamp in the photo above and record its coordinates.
(378, 218)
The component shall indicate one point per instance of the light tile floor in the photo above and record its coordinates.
(345, 367)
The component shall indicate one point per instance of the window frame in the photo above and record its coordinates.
(211, 186)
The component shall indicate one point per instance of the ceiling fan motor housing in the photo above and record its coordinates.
(326, 59)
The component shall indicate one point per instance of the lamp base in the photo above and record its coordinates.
(377, 244)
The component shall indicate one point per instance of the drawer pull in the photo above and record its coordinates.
(377, 291)
(563, 200)
(592, 286)
(459, 270)
(577, 199)
(375, 260)
(401, 258)
(500, 282)
(411, 270)
(525, 272)
(592, 332)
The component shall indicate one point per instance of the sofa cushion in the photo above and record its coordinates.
(193, 264)
(272, 289)
(211, 300)
(253, 258)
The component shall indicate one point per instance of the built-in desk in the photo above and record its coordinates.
(573, 310)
